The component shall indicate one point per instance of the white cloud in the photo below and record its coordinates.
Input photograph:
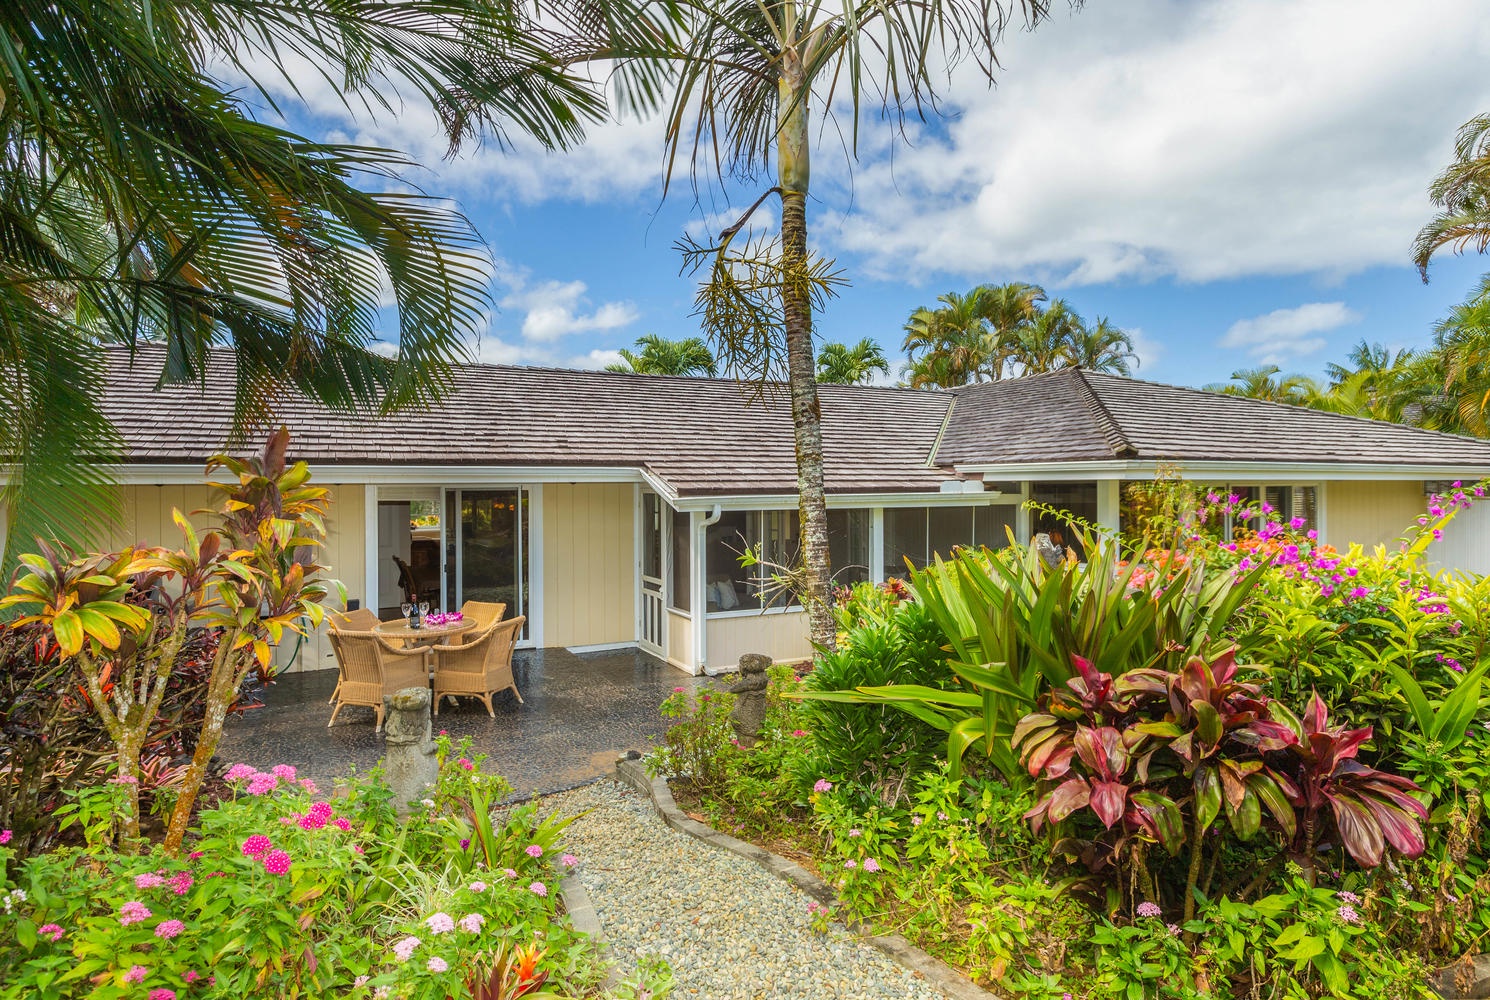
(1149, 350)
(1284, 334)
(596, 359)
(553, 310)
(1171, 137)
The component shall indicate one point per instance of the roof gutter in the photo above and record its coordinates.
(1303, 472)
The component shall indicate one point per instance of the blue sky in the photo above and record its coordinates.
(1237, 183)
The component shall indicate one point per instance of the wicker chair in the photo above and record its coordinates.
(371, 668)
(361, 620)
(480, 668)
(484, 614)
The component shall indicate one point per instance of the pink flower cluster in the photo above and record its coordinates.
(5, 836)
(264, 782)
(260, 847)
(168, 929)
(133, 912)
(1148, 909)
(52, 931)
(822, 785)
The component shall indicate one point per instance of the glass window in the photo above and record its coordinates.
(728, 585)
(1076, 499)
(779, 546)
(905, 539)
(678, 596)
(1293, 502)
(948, 528)
(993, 525)
(848, 545)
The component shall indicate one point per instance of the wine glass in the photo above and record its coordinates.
(407, 608)
(423, 608)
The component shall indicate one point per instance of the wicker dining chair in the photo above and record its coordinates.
(372, 668)
(361, 620)
(480, 668)
(485, 614)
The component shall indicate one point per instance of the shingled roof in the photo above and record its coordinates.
(706, 437)
(1073, 415)
(700, 436)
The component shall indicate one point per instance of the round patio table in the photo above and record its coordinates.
(400, 629)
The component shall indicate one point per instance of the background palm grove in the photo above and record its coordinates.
(1216, 759)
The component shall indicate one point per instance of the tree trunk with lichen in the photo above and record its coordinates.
(229, 667)
(793, 170)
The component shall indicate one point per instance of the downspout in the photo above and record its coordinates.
(700, 592)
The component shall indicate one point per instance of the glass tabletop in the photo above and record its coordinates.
(399, 629)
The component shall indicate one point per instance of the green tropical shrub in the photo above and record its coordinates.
(291, 893)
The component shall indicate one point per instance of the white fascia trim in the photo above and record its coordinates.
(416, 475)
(836, 501)
(600, 647)
(1238, 472)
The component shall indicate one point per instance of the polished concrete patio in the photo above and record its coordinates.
(580, 712)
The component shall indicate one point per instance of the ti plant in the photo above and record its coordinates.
(122, 619)
(1161, 757)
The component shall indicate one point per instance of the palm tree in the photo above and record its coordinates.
(1462, 191)
(1101, 348)
(1263, 383)
(1371, 360)
(952, 345)
(1045, 344)
(1460, 358)
(971, 337)
(748, 75)
(660, 356)
(140, 201)
(841, 364)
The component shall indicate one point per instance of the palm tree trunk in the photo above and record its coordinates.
(793, 169)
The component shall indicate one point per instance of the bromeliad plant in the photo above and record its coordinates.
(1160, 757)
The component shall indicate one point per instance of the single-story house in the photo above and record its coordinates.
(611, 509)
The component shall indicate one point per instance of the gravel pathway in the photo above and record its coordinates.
(729, 929)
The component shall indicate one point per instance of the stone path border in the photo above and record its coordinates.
(936, 972)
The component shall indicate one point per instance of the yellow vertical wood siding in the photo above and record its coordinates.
(680, 640)
(783, 637)
(147, 520)
(589, 563)
(1370, 513)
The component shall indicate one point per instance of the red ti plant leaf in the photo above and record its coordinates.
(1359, 832)
(1109, 799)
(1069, 796)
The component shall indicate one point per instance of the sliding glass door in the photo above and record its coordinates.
(486, 548)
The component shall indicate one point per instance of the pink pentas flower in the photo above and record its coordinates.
(533, 851)
(404, 949)
(509, 872)
(5, 836)
(256, 845)
(871, 865)
(677, 690)
(168, 929)
(568, 860)
(321, 811)
(851, 863)
(284, 772)
(1148, 909)
(181, 883)
(309, 786)
(856, 832)
(194, 855)
(822, 785)
(149, 880)
(162, 993)
(277, 863)
(471, 923)
(436, 964)
(439, 923)
(478, 887)
(52, 931)
(799, 732)
(342, 823)
(465, 765)
(538, 889)
(192, 975)
(240, 772)
(262, 784)
(133, 912)
(136, 974)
